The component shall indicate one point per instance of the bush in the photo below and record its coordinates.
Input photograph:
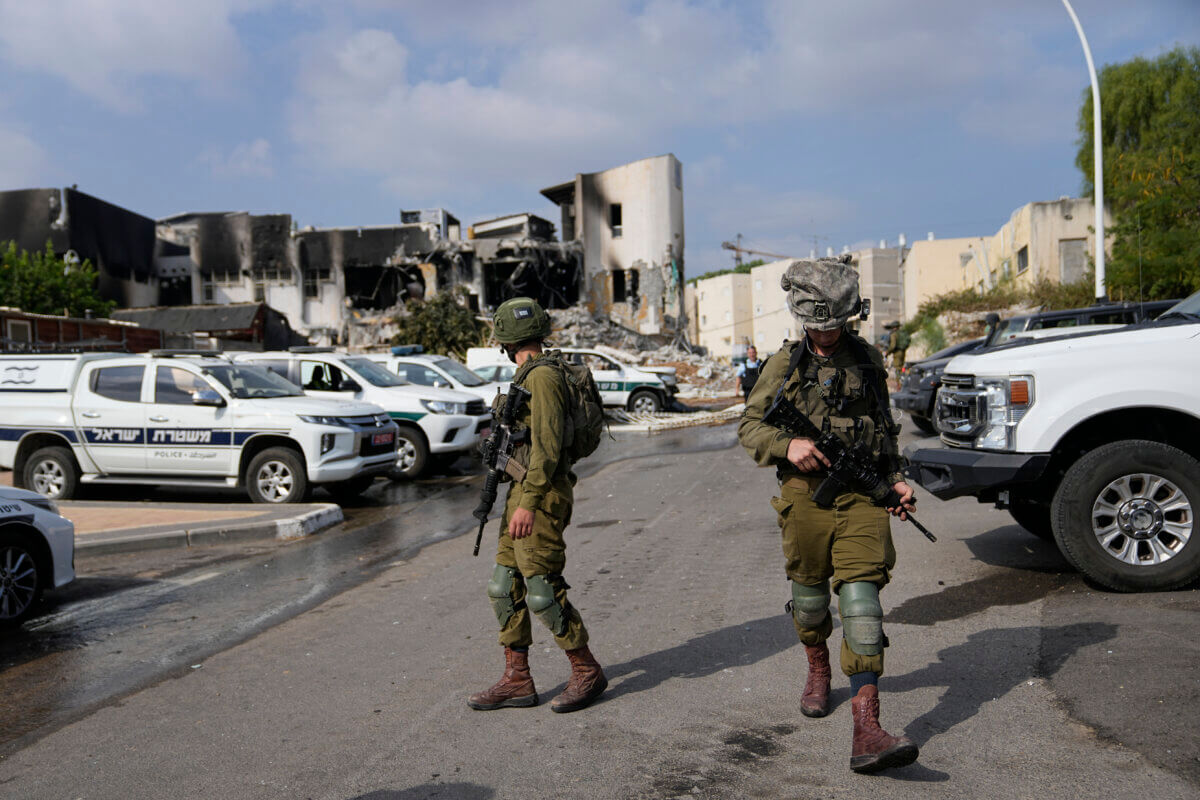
(1044, 294)
(442, 325)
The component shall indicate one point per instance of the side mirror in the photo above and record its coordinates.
(207, 397)
(349, 385)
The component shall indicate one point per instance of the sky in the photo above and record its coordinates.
(797, 122)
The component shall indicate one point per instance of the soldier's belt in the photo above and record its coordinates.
(801, 481)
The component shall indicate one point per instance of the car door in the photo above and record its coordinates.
(111, 416)
(181, 436)
(608, 375)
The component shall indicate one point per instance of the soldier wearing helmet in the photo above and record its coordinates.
(838, 381)
(532, 552)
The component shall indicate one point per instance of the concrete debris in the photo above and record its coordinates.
(698, 375)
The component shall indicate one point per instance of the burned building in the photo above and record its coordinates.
(119, 242)
(517, 256)
(628, 221)
(335, 285)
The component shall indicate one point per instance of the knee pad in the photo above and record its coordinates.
(499, 591)
(810, 604)
(862, 617)
(541, 601)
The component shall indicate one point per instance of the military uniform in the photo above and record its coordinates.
(895, 350)
(527, 577)
(846, 548)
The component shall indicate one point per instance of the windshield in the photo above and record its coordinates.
(1188, 307)
(373, 373)
(245, 382)
(459, 372)
(1006, 330)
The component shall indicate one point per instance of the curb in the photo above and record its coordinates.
(324, 515)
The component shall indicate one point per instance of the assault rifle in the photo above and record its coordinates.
(852, 468)
(497, 456)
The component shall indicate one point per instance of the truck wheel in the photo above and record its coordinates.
(52, 471)
(411, 455)
(644, 402)
(924, 424)
(1033, 517)
(21, 583)
(277, 475)
(1125, 515)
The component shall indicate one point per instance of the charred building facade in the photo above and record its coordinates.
(120, 243)
(628, 220)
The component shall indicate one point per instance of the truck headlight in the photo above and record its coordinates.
(318, 420)
(1005, 403)
(444, 407)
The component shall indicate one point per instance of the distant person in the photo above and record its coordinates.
(897, 346)
(747, 372)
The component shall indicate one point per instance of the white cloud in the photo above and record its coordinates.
(245, 160)
(22, 160)
(104, 47)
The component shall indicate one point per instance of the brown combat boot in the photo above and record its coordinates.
(514, 689)
(587, 682)
(815, 701)
(874, 748)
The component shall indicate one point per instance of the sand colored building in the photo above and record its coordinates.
(724, 314)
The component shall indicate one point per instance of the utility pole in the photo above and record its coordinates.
(1097, 155)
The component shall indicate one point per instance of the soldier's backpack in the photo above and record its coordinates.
(585, 414)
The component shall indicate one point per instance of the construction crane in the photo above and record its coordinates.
(738, 250)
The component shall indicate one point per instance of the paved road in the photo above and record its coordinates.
(337, 668)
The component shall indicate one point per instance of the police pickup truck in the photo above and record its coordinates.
(1093, 440)
(181, 418)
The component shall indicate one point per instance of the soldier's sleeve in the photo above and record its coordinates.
(766, 445)
(891, 443)
(547, 418)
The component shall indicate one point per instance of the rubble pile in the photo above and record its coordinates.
(697, 375)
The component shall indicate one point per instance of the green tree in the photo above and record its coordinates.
(1150, 134)
(442, 325)
(45, 283)
(741, 269)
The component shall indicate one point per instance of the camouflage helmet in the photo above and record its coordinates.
(822, 293)
(519, 320)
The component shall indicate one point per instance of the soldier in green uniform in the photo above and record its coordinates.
(532, 553)
(838, 382)
(897, 346)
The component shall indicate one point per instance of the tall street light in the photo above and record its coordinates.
(1098, 155)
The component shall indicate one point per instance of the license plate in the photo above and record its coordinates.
(382, 438)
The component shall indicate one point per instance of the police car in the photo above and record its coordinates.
(435, 425)
(37, 552)
(424, 369)
(181, 418)
(644, 389)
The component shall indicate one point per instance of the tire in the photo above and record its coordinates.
(277, 475)
(644, 401)
(1033, 517)
(52, 471)
(1125, 515)
(348, 491)
(21, 578)
(924, 424)
(412, 455)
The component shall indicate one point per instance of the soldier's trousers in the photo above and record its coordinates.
(850, 542)
(543, 552)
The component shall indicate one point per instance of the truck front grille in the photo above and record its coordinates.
(961, 410)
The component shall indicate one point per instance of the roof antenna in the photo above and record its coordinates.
(1141, 301)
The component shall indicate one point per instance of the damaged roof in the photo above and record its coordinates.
(231, 317)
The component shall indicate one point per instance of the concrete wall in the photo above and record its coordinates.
(724, 309)
(649, 244)
(773, 323)
(933, 267)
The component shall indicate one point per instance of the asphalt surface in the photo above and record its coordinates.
(337, 667)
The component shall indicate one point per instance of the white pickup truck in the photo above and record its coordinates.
(1094, 440)
(181, 418)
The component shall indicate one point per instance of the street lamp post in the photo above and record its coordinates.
(1098, 155)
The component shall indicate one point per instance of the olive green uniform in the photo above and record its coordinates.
(548, 491)
(896, 351)
(850, 542)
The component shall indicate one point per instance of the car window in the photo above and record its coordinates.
(277, 365)
(375, 373)
(595, 362)
(175, 386)
(119, 383)
(317, 376)
(419, 374)
(459, 372)
(251, 382)
(1112, 317)
(1053, 322)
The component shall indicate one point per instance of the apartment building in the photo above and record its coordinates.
(724, 318)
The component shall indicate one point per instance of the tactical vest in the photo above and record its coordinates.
(750, 377)
(837, 394)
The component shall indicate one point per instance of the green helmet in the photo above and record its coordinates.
(519, 320)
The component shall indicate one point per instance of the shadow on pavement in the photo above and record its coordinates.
(1013, 546)
(732, 646)
(980, 670)
(428, 791)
